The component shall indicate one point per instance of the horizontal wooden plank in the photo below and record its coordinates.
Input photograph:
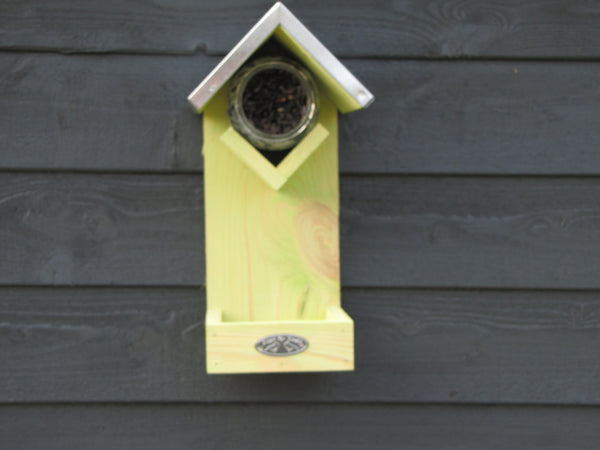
(297, 426)
(415, 28)
(67, 229)
(443, 346)
(80, 229)
(124, 112)
(117, 113)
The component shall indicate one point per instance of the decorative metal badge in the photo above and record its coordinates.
(281, 345)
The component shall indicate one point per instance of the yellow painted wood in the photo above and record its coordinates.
(271, 255)
(303, 150)
(253, 159)
(230, 345)
(341, 97)
(273, 250)
(275, 177)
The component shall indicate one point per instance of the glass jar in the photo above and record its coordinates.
(270, 115)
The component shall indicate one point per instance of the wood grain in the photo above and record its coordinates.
(129, 113)
(273, 249)
(101, 229)
(412, 346)
(503, 232)
(292, 426)
(117, 113)
(230, 346)
(408, 28)
(475, 232)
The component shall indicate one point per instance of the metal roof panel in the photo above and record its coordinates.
(345, 90)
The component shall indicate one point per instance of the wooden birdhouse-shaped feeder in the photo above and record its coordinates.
(272, 202)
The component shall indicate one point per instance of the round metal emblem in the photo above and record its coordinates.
(281, 345)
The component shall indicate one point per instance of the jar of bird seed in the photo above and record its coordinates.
(273, 103)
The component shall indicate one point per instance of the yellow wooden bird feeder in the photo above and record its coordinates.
(272, 202)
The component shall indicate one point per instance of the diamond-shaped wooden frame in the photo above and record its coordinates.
(274, 176)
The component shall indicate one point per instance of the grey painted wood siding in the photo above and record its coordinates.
(470, 233)
(129, 113)
(388, 29)
(412, 346)
(396, 231)
(292, 426)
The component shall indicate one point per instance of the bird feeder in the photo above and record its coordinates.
(272, 202)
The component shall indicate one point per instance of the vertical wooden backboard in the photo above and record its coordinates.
(272, 248)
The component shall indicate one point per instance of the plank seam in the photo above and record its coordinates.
(233, 403)
(345, 174)
(457, 289)
(201, 49)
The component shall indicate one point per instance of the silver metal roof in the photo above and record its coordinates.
(279, 16)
